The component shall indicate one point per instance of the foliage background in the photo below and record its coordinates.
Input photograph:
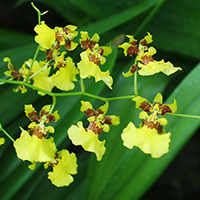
(122, 173)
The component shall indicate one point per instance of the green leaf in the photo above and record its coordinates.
(117, 19)
(172, 33)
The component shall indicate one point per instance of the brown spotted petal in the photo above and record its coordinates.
(142, 103)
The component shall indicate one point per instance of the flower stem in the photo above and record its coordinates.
(6, 133)
(183, 115)
(39, 13)
(53, 104)
(135, 84)
(82, 86)
(66, 93)
(39, 70)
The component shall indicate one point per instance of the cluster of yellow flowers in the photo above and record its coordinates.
(36, 144)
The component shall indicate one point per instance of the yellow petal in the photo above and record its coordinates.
(64, 77)
(87, 139)
(142, 103)
(158, 98)
(125, 46)
(67, 164)
(46, 36)
(157, 66)
(32, 166)
(34, 149)
(95, 37)
(30, 112)
(85, 105)
(148, 140)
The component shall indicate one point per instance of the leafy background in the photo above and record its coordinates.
(122, 173)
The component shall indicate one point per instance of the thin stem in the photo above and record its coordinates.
(39, 13)
(135, 84)
(184, 115)
(34, 58)
(39, 70)
(82, 86)
(66, 93)
(53, 104)
(6, 133)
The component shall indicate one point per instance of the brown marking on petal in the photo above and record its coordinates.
(99, 111)
(15, 73)
(165, 109)
(94, 59)
(160, 129)
(132, 50)
(33, 116)
(49, 54)
(56, 45)
(97, 130)
(43, 112)
(50, 118)
(108, 120)
(59, 36)
(67, 30)
(101, 51)
(56, 157)
(134, 43)
(61, 65)
(90, 112)
(143, 42)
(153, 124)
(68, 44)
(91, 44)
(133, 68)
(146, 59)
(145, 105)
(85, 44)
(38, 132)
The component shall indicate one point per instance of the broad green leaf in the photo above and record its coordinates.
(110, 7)
(174, 32)
(119, 18)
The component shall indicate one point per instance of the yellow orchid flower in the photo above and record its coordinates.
(89, 138)
(64, 77)
(150, 137)
(64, 165)
(89, 66)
